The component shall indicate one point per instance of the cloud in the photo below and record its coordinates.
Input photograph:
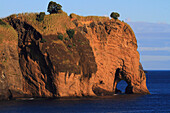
(154, 48)
(154, 58)
(145, 27)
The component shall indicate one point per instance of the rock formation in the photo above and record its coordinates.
(101, 53)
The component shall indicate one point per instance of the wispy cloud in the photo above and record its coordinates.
(154, 58)
(144, 27)
(154, 48)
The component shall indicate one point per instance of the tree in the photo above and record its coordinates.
(53, 7)
(114, 15)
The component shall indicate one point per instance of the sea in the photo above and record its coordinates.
(158, 83)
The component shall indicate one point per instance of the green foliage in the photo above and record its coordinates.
(2, 22)
(70, 33)
(74, 44)
(60, 36)
(66, 39)
(114, 15)
(41, 16)
(53, 7)
(69, 46)
(44, 27)
(43, 40)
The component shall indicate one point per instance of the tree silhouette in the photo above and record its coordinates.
(53, 7)
(114, 15)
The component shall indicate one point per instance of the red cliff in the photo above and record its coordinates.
(101, 53)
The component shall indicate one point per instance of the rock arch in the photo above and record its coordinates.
(120, 79)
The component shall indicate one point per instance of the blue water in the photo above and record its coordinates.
(158, 83)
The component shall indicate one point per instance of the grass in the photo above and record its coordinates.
(89, 18)
(54, 23)
(7, 33)
(51, 25)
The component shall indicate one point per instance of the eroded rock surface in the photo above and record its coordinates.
(101, 53)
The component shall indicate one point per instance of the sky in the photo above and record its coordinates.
(150, 20)
(153, 44)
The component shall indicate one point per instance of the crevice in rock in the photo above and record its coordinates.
(87, 60)
(28, 43)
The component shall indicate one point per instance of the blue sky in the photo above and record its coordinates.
(150, 19)
(153, 44)
(134, 10)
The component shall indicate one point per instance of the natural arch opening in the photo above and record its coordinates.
(121, 86)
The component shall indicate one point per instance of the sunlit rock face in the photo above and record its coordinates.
(101, 53)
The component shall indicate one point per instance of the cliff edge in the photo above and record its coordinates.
(41, 59)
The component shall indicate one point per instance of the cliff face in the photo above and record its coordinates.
(10, 73)
(101, 53)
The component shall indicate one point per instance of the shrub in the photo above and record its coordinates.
(74, 44)
(70, 33)
(41, 16)
(114, 15)
(53, 7)
(69, 46)
(2, 22)
(43, 40)
(60, 36)
(79, 40)
(66, 39)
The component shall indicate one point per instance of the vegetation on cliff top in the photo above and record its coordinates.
(7, 32)
(58, 22)
(88, 18)
(50, 25)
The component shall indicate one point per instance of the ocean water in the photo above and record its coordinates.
(158, 83)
